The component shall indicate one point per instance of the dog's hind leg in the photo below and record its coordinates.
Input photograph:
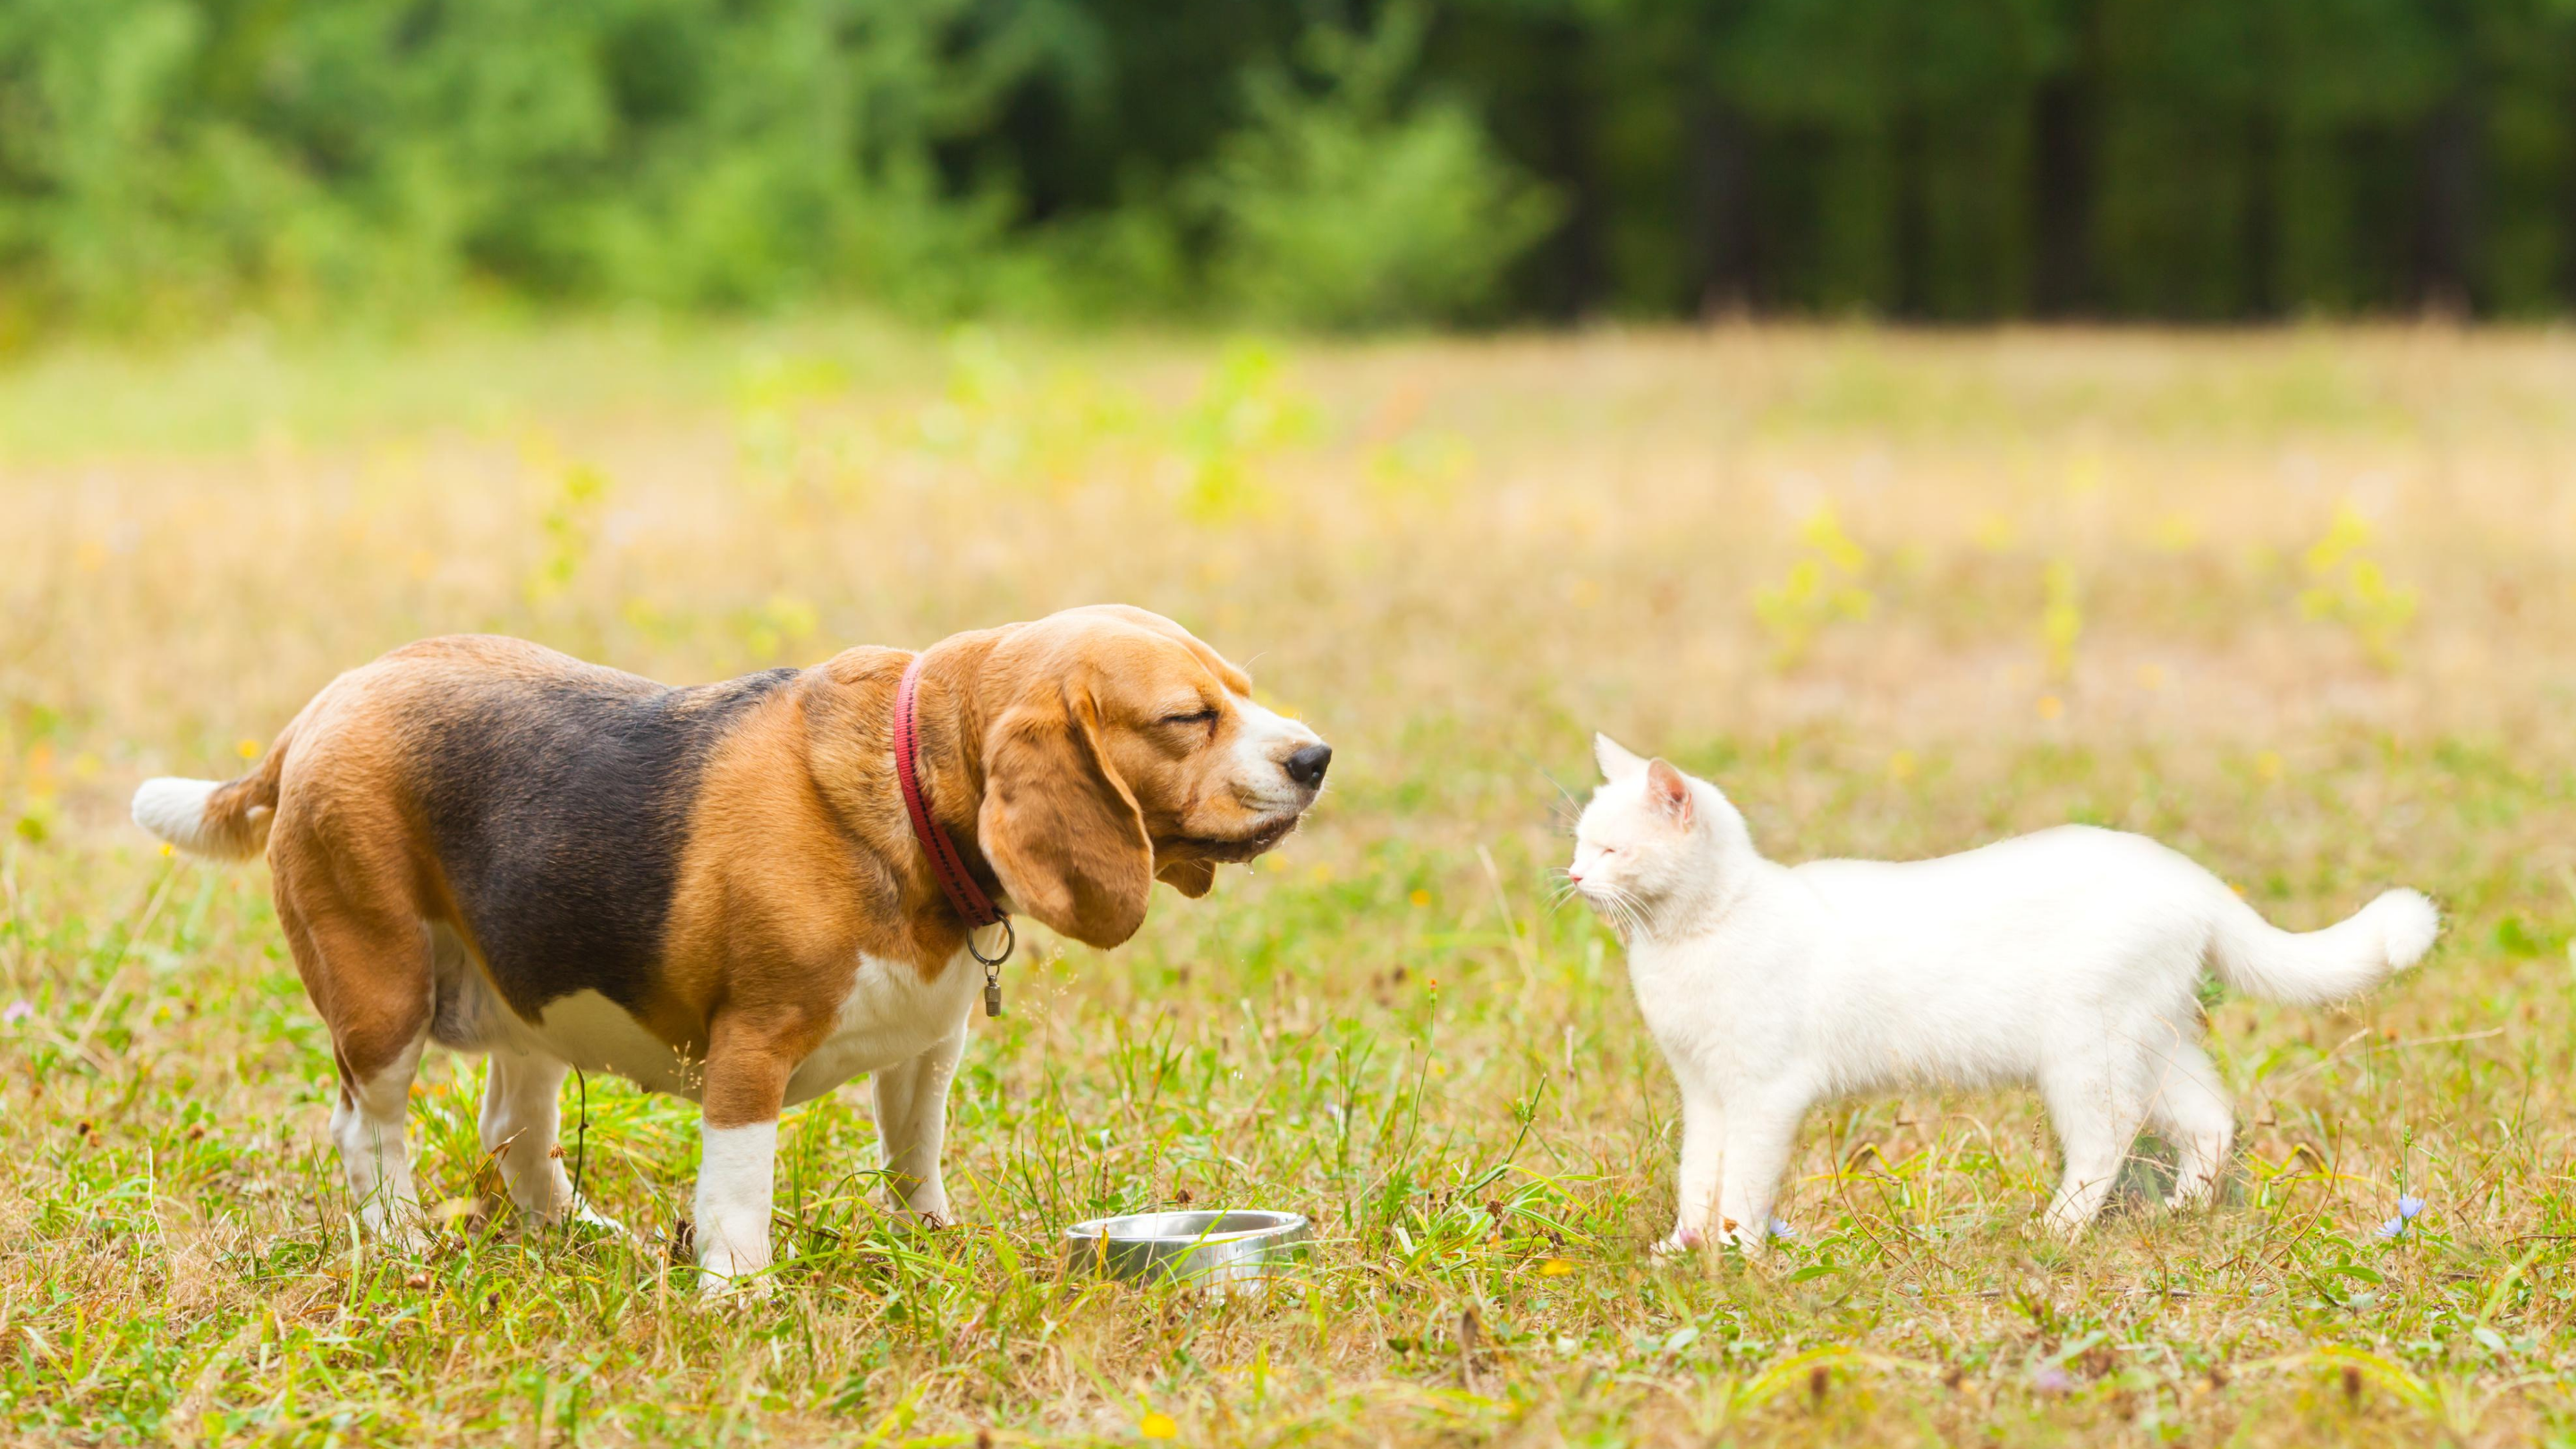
(366, 966)
(367, 1127)
(373, 991)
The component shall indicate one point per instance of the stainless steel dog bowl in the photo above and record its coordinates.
(1220, 1251)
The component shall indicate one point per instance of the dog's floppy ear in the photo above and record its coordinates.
(1616, 760)
(1191, 878)
(1667, 791)
(1061, 829)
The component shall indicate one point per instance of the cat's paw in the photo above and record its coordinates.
(1678, 1242)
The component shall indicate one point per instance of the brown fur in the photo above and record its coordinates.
(1047, 757)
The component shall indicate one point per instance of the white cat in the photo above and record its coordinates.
(2068, 960)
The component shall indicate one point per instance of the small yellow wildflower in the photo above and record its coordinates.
(1157, 1425)
(248, 749)
(1554, 1268)
(2050, 706)
(1420, 898)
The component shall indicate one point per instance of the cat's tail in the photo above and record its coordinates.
(227, 821)
(2312, 968)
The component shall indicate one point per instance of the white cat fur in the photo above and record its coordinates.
(2068, 960)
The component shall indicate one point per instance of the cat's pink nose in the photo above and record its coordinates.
(1574, 877)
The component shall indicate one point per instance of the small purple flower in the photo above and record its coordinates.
(16, 1012)
(2409, 1208)
(2052, 1380)
(1781, 1230)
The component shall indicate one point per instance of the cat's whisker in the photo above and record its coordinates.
(1552, 780)
(1619, 906)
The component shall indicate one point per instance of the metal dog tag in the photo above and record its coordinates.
(992, 991)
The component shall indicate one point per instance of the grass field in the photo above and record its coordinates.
(2302, 604)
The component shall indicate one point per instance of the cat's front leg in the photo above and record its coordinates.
(1703, 1152)
(1758, 1139)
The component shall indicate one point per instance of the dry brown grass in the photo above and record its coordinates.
(2094, 589)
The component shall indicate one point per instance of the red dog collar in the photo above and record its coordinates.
(975, 907)
(964, 895)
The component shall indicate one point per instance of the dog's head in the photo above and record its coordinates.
(1117, 750)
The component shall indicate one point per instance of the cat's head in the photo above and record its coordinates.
(1648, 834)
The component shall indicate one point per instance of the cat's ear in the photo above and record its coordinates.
(1668, 791)
(1616, 760)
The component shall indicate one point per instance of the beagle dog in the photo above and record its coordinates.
(719, 892)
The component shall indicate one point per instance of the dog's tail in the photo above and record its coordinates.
(2311, 968)
(227, 821)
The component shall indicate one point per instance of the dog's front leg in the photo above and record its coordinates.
(912, 1122)
(746, 1084)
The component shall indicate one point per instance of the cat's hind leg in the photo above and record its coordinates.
(2096, 1103)
(2190, 1110)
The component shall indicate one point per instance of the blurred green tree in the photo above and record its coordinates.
(165, 164)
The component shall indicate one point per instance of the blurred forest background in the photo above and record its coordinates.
(166, 164)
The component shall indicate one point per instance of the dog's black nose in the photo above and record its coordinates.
(1306, 767)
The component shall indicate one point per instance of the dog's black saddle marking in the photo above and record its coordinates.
(560, 812)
